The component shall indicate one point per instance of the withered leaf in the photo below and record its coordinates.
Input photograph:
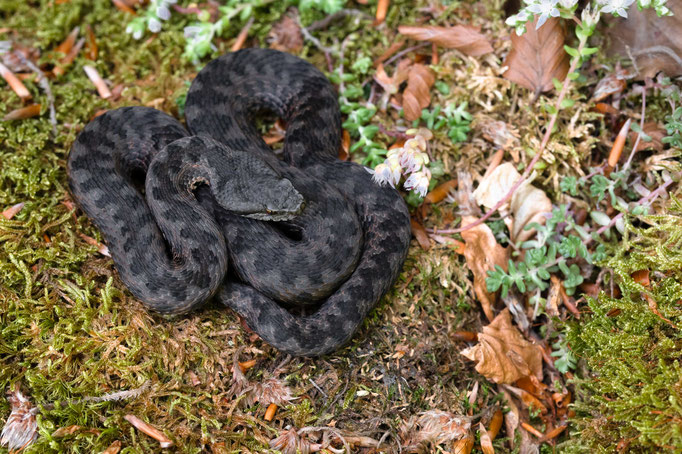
(420, 234)
(286, 35)
(610, 84)
(655, 43)
(417, 95)
(482, 253)
(465, 38)
(486, 440)
(655, 131)
(392, 83)
(502, 354)
(538, 56)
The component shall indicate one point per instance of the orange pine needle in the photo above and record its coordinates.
(123, 6)
(93, 242)
(619, 144)
(270, 412)
(92, 52)
(382, 9)
(241, 37)
(532, 430)
(440, 192)
(555, 432)
(25, 112)
(246, 365)
(97, 80)
(10, 212)
(434, 54)
(14, 83)
(67, 44)
(152, 431)
(69, 58)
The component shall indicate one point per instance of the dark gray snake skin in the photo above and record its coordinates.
(308, 231)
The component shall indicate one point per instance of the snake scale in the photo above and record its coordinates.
(301, 247)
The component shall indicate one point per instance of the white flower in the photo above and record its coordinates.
(419, 182)
(545, 8)
(412, 160)
(191, 31)
(617, 6)
(154, 25)
(162, 12)
(590, 18)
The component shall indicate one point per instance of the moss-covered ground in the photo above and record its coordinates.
(69, 329)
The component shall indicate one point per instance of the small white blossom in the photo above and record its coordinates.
(412, 160)
(546, 9)
(162, 12)
(590, 18)
(381, 174)
(154, 25)
(419, 182)
(191, 31)
(568, 4)
(618, 7)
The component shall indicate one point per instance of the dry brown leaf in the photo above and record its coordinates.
(502, 354)
(501, 134)
(512, 418)
(91, 44)
(465, 38)
(486, 441)
(610, 84)
(653, 130)
(482, 253)
(113, 448)
(286, 35)
(21, 428)
(538, 56)
(440, 192)
(392, 83)
(654, 43)
(417, 95)
(64, 431)
(463, 445)
(528, 203)
(12, 211)
(420, 234)
(495, 423)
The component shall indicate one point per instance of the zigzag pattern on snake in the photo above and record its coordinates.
(306, 231)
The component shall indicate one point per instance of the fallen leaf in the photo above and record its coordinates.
(528, 399)
(538, 56)
(486, 441)
(463, 445)
(156, 434)
(527, 205)
(501, 134)
(641, 277)
(113, 448)
(440, 192)
(91, 44)
(465, 38)
(532, 430)
(482, 253)
(495, 423)
(392, 83)
(512, 418)
(417, 95)
(420, 234)
(66, 45)
(653, 130)
(654, 43)
(610, 84)
(286, 35)
(502, 354)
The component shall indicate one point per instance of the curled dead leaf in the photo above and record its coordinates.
(502, 354)
(482, 253)
(528, 204)
(286, 35)
(420, 234)
(465, 38)
(538, 56)
(417, 95)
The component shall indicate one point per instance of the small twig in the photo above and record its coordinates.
(241, 37)
(405, 51)
(45, 85)
(641, 130)
(323, 23)
(316, 42)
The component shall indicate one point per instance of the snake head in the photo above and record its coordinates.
(248, 186)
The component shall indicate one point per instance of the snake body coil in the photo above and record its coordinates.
(308, 231)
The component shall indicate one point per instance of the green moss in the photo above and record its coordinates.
(633, 396)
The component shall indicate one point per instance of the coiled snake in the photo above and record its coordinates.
(306, 231)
